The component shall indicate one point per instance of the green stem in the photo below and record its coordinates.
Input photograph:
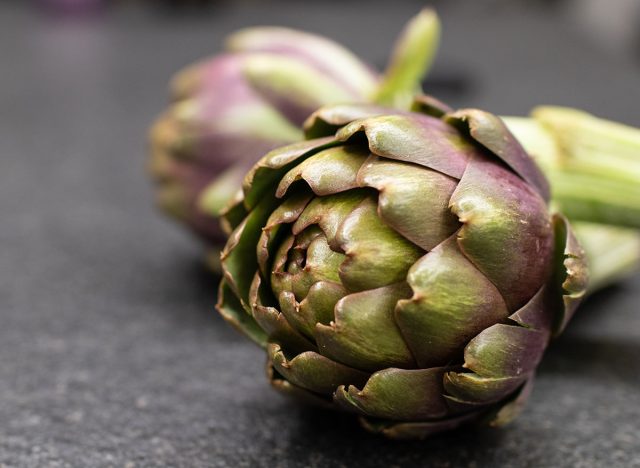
(612, 252)
(410, 61)
(593, 166)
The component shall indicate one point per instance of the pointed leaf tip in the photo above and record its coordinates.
(410, 60)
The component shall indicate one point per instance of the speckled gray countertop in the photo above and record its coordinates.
(111, 353)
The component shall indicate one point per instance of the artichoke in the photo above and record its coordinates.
(229, 110)
(403, 266)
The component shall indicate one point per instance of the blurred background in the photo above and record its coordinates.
(111, 353)
(544, 46)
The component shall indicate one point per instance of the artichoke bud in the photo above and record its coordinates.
(229, 110)
(403, 266)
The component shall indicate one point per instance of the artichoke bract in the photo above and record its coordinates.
(403, 266)
(235, 107)
(230, 110)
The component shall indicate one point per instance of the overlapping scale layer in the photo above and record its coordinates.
(406, 269)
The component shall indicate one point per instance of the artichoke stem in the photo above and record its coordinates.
(612, 252)
(593, 166)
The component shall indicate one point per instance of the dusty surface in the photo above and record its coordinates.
(111, 353)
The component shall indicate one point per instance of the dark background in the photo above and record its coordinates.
(111, 352)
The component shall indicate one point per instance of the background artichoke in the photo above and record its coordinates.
(401, 265)
(229, 110)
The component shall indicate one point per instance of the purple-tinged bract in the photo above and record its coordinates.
(231, 109)
(403, 266)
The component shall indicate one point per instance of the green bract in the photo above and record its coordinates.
(401, 265)
(231, 109)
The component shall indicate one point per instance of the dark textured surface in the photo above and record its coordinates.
(111, 354)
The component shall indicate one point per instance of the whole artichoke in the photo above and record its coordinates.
(401, 265)
(229, 110)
